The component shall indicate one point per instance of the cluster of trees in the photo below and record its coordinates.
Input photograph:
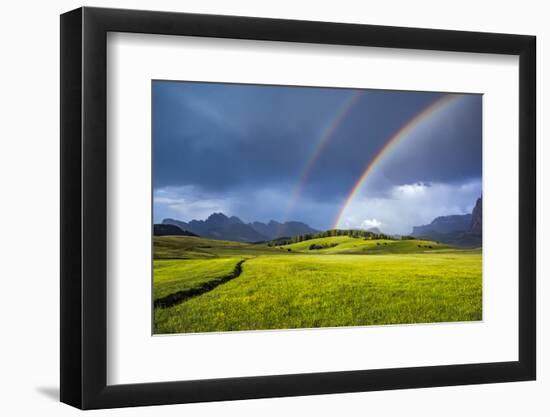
(315, 246)
(358, 234)
(425, 246)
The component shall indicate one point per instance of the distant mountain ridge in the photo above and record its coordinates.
(444, 224)
(219, 226)
(477, 215)
(274, 229)
(460, 229)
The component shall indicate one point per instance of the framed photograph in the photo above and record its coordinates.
(258, 208)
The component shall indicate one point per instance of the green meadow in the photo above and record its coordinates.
(203, 285)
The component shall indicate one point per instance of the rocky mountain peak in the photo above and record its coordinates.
(477, 217)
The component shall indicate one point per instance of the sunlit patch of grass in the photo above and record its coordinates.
(359, 245)
(171, 276)
(283, 291)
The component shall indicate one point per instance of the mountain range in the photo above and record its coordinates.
(219, 226)
(459, 229)
(444, 224)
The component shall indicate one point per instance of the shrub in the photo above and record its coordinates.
(315, 247)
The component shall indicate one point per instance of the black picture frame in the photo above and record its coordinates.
(84, 207)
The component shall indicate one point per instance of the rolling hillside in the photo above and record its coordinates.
(203, 285)
(350, 245)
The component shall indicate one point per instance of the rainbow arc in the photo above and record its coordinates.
(401, 134)
(322, 142)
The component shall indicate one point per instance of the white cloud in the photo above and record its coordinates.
(185, 203)
(410, 190)
(368, 223)
(408, 205)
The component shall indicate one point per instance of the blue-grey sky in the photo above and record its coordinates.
(241, 149)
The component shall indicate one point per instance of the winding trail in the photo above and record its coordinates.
(181, 296)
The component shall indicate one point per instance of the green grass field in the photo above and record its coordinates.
(345, 281)
(171, 276)
(350, 245)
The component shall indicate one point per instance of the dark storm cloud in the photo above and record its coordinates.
(237, 142)
(221, 136)
(447, 149)
(444, 155)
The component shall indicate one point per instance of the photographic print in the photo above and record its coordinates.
(293, 207)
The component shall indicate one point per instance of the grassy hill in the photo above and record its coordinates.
(349, 245)
(188, 247)
(344, 281)
(307, 291)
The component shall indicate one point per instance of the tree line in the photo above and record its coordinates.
(355, 233)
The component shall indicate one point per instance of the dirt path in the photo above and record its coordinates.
(181, 296)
